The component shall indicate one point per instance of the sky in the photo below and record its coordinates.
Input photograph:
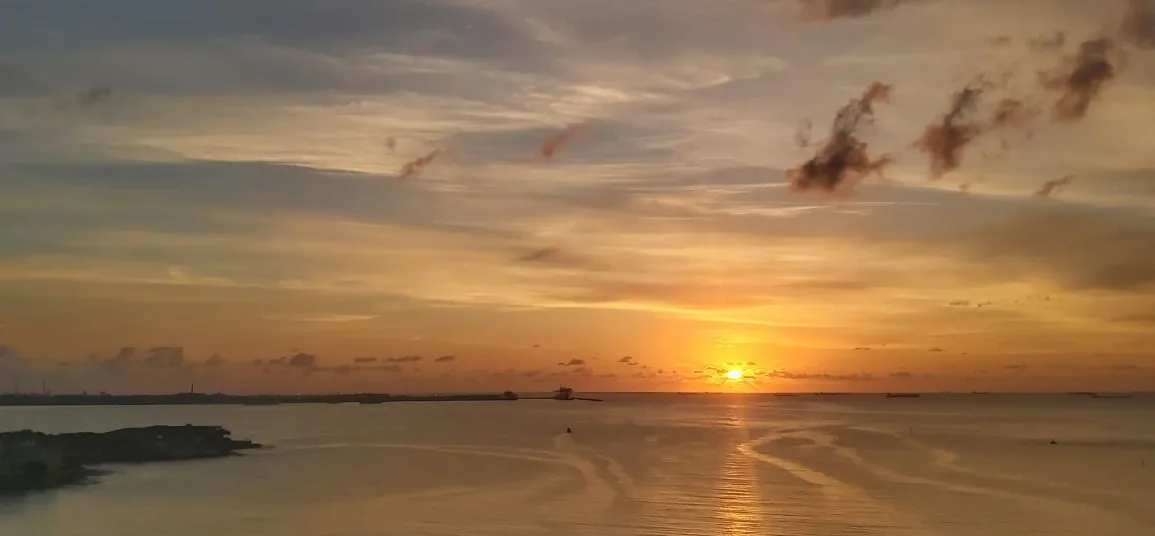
(458, 195)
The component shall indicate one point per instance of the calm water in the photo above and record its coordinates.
(681, 465)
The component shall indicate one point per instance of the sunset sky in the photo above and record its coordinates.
(210, 191)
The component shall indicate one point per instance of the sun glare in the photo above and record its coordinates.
(734, 374)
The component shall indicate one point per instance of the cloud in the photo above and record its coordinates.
(1138, 26)
(572, 363)
(164, 356)
(836, 9)
(559, 140)
(303, 360)
(1082, 78)
(403, 359)
(414, 167)
(945, 140)
(557, 258)
(843, 159)
(1078, 249)
(364, 359)
(826, 376)
(629, 360)
(445, 359)
(1054, 185)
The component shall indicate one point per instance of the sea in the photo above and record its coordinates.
(736, 465)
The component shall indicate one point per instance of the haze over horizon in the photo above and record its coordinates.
(447, 195)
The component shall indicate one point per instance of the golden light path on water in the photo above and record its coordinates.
(738, 491)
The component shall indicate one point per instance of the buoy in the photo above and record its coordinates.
(568, 431)
(1053, 442)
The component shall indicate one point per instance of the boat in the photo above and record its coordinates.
(903, 395)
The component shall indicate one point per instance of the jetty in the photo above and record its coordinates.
(32, 460)
(563, 394)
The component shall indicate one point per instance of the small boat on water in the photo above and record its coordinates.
(903, 395)
(1110, 395)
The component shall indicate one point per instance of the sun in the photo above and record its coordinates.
(734, 374)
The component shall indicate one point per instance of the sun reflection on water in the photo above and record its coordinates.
(739, 493)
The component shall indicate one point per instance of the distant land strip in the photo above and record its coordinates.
(190, 398)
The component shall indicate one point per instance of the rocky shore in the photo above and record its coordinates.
(34, 460)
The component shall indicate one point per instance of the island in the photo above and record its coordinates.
(32, 460)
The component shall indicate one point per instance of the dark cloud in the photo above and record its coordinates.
(837, 9)
(629, 360)
(414, 167)
(303, 360)
(403, 359)
(445, 359)
(843, 159)
(551, 146)
(1053, 186)
(1081, 78)
(945, 140)
(1138, 26)
(572, 363)
(364, 359)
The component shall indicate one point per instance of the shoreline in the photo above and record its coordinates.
(194, 398)
(32, 460)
